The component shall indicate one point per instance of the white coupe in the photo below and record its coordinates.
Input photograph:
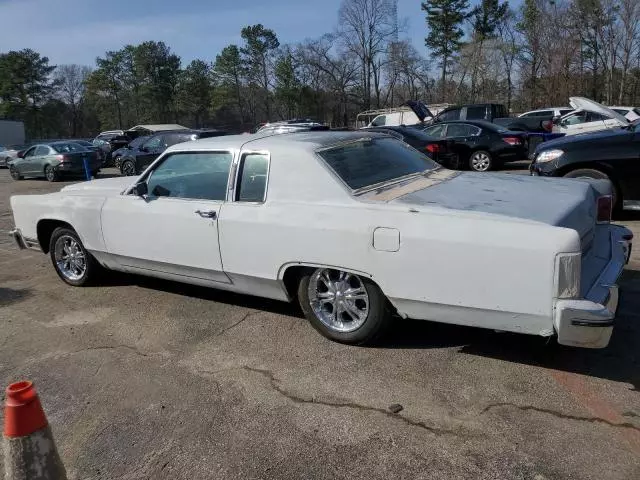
(356, 226)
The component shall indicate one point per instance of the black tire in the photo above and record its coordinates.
(92, 267)
(50, 174)
(374, 325)
(95, 174)
(481, 161)
(128, 168)
(598, 175)
(13, 171)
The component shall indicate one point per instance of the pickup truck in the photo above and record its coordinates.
(490, 112)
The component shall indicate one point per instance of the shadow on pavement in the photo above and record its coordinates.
(619, 362)
(10, 295)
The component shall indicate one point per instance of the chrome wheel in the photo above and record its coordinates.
(50, 173)
(480, 161)
(128, 169)
(70, 258)
(338, 299)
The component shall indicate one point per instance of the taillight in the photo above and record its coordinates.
(63, 158)
(512, 140)
(603, 209)
(432, 148)
(547, 125)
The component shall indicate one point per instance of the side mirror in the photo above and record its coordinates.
(141, 189)
(20, 154)
(144, 148)
(556, 119)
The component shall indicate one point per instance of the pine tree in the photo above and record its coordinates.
(444, 19)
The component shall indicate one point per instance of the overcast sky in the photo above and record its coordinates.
(77, 31)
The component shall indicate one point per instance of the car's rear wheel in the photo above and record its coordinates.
(50, 173)
(116, 161)
(598, 175)
(480, 161)
(343, 306)
(15, 174)
(73, 264)
(128, 168)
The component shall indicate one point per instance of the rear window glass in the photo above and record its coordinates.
(370, 161)
(68, 147)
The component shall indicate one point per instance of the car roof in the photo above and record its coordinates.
(477, 123)
(307, 140)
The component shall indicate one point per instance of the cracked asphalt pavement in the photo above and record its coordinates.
(144, 378)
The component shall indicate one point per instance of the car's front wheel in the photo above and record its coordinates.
(71, 260)
(343, 306)
(128, 168)
(15, 174)
(480, 161)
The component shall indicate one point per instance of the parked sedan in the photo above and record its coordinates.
(589, 116)
(609, 154)
(482, 146)
(353, 225)
(134, 161)
(55, 160)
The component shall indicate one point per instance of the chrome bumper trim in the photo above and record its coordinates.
(24, 242)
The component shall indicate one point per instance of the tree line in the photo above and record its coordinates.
(535, 55)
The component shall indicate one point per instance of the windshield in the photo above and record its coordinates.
(135, 143)
(370, 161)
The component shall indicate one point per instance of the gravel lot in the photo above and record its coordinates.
(151, 379)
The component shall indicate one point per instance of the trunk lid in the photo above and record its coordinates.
(557, 202)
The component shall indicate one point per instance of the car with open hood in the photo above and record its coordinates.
(588, 116)
(358, 227)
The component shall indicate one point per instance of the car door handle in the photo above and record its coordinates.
(207, 213)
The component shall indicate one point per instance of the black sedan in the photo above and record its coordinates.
(441, 150)
(610, 154)
(481, 145)
(117, 155)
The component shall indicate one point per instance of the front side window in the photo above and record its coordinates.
(192, 175)
(576, 119)
(370, 161)
(252, 178)
(30, 152)
(155, 142)
(379, 121)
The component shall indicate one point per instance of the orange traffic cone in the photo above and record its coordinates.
(29, 450)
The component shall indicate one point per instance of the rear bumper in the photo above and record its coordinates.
(78, 169)
(589, 322)
(23, 242)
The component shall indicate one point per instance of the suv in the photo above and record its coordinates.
(135, 160)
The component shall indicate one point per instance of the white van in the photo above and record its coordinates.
(404, 117)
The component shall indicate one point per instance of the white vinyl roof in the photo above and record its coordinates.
(160, 127)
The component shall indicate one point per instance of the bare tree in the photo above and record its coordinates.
(70, 81)
(366, 27)
(630, 40)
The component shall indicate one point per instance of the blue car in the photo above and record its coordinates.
(133, 145)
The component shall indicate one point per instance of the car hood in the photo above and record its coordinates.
(106, 186)
(420, 109)
(557, 202)
(581, 103)
(575, 141)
